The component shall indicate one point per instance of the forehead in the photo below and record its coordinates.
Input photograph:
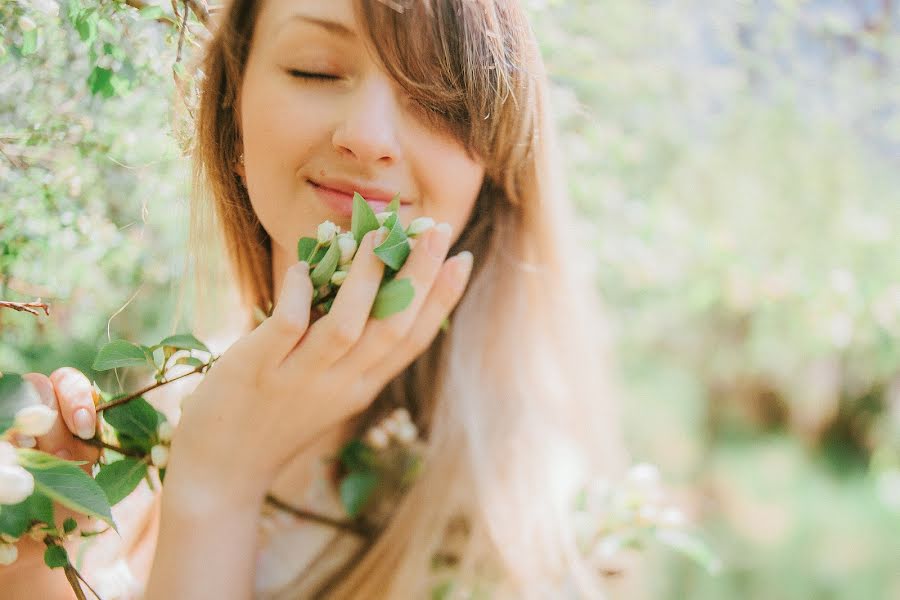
(333, 16)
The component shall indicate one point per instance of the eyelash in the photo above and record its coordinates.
(315, 76)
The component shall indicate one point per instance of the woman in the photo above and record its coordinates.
(444, 101)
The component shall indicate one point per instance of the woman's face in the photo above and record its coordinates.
(316, 111)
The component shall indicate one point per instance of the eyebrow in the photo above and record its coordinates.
(331, 26)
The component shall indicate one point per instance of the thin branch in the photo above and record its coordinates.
(148, 388)
(29, 307)
(181, 33)
(93, 591)
(360, 529)
(98, 443)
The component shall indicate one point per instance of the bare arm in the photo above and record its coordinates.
(207, 540)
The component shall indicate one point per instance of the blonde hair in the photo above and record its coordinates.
(516, 398)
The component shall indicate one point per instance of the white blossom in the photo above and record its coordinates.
(48, 7)
(420, 225)
(644, 475)
(8, 554)
(8, 457)
(165, 432)
(407, 432)
(16, 484)
(26, 23)
(347, 244)
(377, 438)
(338, 277)
(159, 456)
(35, 420)
(326, 232)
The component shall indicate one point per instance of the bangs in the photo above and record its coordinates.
(449, 57)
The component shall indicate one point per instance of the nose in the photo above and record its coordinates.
(368, 127)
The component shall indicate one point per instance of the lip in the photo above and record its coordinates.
(338, 195)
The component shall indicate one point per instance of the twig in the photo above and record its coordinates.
(93, 591)
(148, 388)
(98, 443)
(29, 307)
(181, 33)
(360, 529)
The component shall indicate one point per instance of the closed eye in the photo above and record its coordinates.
(307, 75)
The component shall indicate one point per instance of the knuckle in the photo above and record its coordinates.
(344, 334)
(392, 334)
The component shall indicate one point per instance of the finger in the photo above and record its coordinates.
(76, 402)
(278, 334)
(333, 335)
(445, 294)
(421, 268)
(59, 439)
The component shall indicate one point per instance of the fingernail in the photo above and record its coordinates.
(444, 228)
(303, 266)
(380, 235)
(84, 424)
(64, 454)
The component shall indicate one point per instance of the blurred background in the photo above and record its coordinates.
(737, 162)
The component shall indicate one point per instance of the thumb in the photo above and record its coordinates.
(281, 332)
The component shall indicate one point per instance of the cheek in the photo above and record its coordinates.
(452, 188)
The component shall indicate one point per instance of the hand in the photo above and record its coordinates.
(70, 394)
(282, 385)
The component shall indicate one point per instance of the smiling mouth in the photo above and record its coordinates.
(342, 202)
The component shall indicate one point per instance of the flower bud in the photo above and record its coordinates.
(326, 232)
(420, 225)
(643, 475)
(165, 432)
(671, 517)
(26, 23)
(48, 7)
(8, 554)
(377, 438)
(35, 420)
(159, 456)
(338, 277)
(16, 484)
(382, 217)
(8, 457)
(391, 425)
(401, 415)
(347, 244)
(407, 432)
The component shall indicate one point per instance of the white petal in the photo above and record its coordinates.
(16, 484)
(8, 554)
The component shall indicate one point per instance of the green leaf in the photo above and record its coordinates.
(16, 519)
(100, 82)
(357, 456)
(394, 250)
(118, 479)
(56, 556)
(119, 353)
(356, 490)
(691, 547)
(136, 419)
(73, 488)
(183, 341)
(16, 393)
(390, 221)
(325, 269)
(363, 220)
(36, 459)
(86, 25)
(29, 42)
(151, 12)
(191, 361)
(393, 297)
(394, 204)
(70, 525)
(305, 248)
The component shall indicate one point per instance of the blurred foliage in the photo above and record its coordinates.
(737, 164)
